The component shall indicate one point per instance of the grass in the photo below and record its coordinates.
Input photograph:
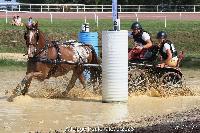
(8, 64)
(184, 34)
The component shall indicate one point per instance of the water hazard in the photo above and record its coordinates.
(41, 114)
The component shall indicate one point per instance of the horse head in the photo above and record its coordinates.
(32, 36)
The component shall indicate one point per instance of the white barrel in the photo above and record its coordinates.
(115, 66)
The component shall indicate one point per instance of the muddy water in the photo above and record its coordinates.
(41, 114)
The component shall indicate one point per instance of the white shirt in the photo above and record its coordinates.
(145, 37)
(167, 46)
(18, 21)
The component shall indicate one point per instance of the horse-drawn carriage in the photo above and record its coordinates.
(145, 73)
(51, 59)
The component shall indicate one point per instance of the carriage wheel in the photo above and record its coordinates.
(171, 80)
(137, 80)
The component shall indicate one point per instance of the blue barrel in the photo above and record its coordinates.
(89, 38)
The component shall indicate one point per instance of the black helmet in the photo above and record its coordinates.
(161, 35)
(136, 25)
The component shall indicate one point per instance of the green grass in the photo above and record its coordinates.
(184, 34)
(8, 64)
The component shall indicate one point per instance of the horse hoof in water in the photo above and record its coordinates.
(64, 93)
(24, 91)
(10, 98)
(16, 92)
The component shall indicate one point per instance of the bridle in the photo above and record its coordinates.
(37, 35)
(33, 49)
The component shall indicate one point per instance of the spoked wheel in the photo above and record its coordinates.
(137, 80)
(171, 80)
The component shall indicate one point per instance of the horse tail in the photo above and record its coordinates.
(95, 71)
(94, 55)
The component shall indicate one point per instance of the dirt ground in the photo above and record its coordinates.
(13, 56)
(83, 111)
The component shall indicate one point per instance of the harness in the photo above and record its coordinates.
(163, 54)
(58, 60)
(41, 54)
(44, 59)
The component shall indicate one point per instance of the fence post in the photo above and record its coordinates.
(136, 17)
(6, 16)
(30, 8)
(41, 8)
(139, 8)
(85, 19)
(157, 8)
(19, 8)
(51, 18)
(165, 21)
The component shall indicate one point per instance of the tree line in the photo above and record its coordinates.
(109, 2)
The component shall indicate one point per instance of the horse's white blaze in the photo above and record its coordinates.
(31, 36)
(30, 50)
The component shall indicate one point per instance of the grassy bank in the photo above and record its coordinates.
(9, 65)
(184, 34)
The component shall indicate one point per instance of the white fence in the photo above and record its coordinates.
(96, 8)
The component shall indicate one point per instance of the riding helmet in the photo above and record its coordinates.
(136, 25)
(161, 35)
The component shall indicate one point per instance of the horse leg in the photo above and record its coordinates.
(27, 85)
(71, 83)
(82, 80)
(22, 87)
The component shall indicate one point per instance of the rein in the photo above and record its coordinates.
(42, 49)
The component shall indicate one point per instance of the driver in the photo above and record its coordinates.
(167, 50)
(142, 42)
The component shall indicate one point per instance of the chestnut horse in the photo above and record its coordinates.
(49, 59)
